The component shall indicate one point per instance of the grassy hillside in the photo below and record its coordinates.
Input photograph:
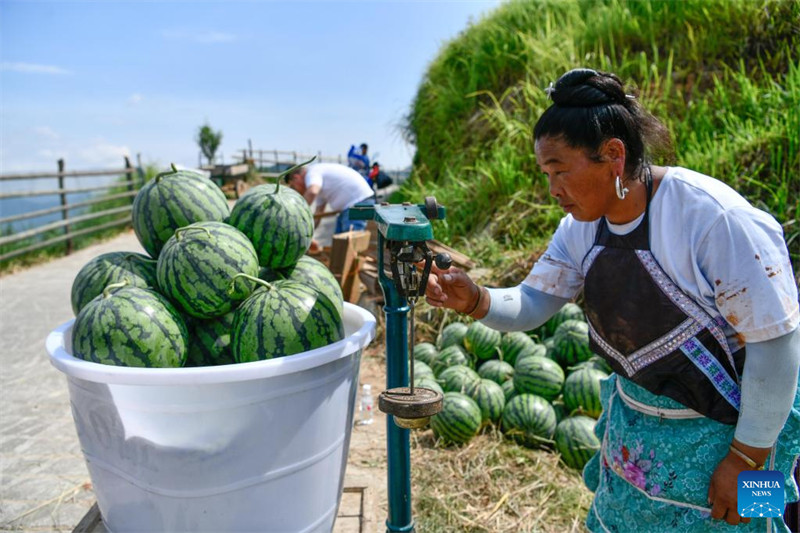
(724, 75)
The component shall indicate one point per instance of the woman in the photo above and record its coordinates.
(681, 278)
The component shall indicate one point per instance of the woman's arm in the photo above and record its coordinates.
(520, 308)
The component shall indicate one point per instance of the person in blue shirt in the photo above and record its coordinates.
(359, 161)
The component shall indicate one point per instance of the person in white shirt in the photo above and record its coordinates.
(689, 296)
(335, 186)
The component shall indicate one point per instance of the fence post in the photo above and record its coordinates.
(250, 146)
(64, 211)
(139, 169)
(129, 175)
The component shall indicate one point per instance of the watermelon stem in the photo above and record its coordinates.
(111, 286)
(167, 173)
(186, 228)
(289, 171)
(259, 281)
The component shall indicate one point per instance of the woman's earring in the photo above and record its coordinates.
(621, 191)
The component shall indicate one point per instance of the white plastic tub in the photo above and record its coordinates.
(248, 447)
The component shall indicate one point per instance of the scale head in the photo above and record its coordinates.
(410, 411)
(401, 222)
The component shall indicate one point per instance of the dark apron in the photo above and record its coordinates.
(651, 332)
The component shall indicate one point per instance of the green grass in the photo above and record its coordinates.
(723, 75)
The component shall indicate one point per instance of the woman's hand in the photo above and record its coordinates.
(452, 289)
(723, 489)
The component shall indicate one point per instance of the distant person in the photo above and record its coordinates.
(334, 185)
(380, 178)
(359, 161)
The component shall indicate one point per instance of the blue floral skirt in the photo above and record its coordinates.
(652, 474)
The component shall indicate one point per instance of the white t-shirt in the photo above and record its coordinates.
(341, 187)
(728, 256)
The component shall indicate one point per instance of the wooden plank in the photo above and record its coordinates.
(60, 224)
(344, 261)
(42, 212)
(61, 238)
(71, 174)
(52, 192)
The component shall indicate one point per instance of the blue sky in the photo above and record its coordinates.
(89, 81)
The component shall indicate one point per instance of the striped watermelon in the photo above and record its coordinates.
(572, 343)
(582, 391)
(422, 369)
(457, 378)
(490, 398)
(508, 389)
(113, 267)
(452, 333)
(172, 200)
(550, 348)
(529, 419)
(425, 352)
(596, 362)
(427, 382)
(539, 376)
(532, 350)
(576, 441)
(282, 318)
(482, 341)
(451, 356)
(458, 421)
(497, 371)
(278, 221)
(569, 311)
(513, 343)
(197, 266)
(130, 326)
(311, 272)
(210, 341)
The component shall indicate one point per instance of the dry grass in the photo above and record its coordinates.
(493, 485)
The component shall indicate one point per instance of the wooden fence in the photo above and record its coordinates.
(134, 179)
(279, 159)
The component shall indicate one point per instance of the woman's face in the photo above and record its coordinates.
(582, 186)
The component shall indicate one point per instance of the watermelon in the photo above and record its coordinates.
(451, 356)
(425, 352)
(210, 341)
(569, 311)
(172, 200)
(575, 441)
(539, 376)
(197, 266)
(422, 369)
(531, 350)
(278, 221)
(550, 348)
(596, 362)
(283, 318)
(529, 419)
(311, 272)
(452, 333)
(490, 398)
(457, 378)
(112, 267)
(427, 382)
(497, 371)
(571, 343)
(513, 343)
(458, 421)
(482, 341)
(130, 326)
(508, 389)
(582, 391)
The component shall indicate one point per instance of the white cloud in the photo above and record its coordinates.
(199, 36)
(135, 98)
(32, 68)
(46, 132)
(102, 154)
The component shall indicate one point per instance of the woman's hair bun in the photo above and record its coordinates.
(585, 87)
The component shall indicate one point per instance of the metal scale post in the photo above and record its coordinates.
(404, 263)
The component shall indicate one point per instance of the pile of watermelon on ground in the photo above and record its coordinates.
(219, 286)
(541, 388)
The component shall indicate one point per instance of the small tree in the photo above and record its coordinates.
(208, 140)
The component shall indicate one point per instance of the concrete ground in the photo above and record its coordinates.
(44, 483)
